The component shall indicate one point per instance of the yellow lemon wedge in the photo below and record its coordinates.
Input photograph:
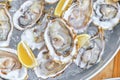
(61, 7)
(82, 39)
(25, 55)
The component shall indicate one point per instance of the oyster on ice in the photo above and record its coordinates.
(10, 67)
(51, 1)
(47, 67)
(28, 14)
(34, 36)
(106, 14)
(6, 26)
(78, 15)
(60, 40)
(92, 50)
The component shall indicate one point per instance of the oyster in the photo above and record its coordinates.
(6, 26)
(10, 67)
(28, 14)
(51, 1)
(79, 14)
(34, 36)
(47, 67)
(60, 40)
(91, 52)
(106, 14)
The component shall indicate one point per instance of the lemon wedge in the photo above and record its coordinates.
(61, 7)
(82, 39)
(25, 55)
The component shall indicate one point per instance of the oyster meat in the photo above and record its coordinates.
(79, 15)
(60, 40)
(47, 67)
(106, 14)
(10, 67)
(6, 26)
(28, 14)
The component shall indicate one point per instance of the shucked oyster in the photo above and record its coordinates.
(28, 14)
(34, 36)
(47, 67)
(106, 14)
(10, 67)
(60, 40)
(6, 26)
(79, 14)
(91, 52)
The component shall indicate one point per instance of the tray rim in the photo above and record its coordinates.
(110, 59)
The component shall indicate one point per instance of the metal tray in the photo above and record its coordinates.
(73, 72)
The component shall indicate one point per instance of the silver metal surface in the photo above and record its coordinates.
(73, 72)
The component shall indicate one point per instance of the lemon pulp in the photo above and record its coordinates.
(62, 6)
(25, 55)
(82, 39)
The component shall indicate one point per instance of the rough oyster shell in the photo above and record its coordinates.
(79, 14)
(6, 26)
(10, 67)
(47, 66)
(34, 36)
(106, 14)
(60, 40)
(28, 14)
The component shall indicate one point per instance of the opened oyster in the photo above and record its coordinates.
(47, 67)
(92, 51)
(60, 40)
(10, 67)
(34, 36)
(79, 14)
(6, 26)
(28, 14)
(106, 14)
(51, 1)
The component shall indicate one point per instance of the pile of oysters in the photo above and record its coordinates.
(53, 37)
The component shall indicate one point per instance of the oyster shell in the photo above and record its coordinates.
(79, 14)
(6, 26)
(10, 67)
(60, 40)
(47, 67)
(34, 36)
(106, 14)
(91, 52)
(28, 14)
(51, 1)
